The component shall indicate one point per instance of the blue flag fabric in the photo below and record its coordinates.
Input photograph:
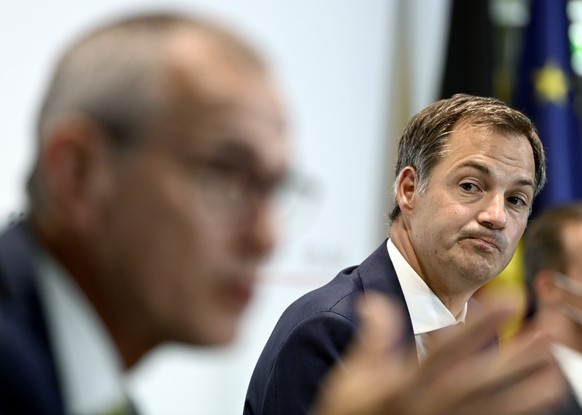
(545, 92)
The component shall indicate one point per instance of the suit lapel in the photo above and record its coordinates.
(377, 274)
(27, 369)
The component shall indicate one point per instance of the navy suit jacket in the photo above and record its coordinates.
(312, 335)
(28, 378)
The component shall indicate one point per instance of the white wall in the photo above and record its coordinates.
(334, 60)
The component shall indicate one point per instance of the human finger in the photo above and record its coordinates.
(363, 382)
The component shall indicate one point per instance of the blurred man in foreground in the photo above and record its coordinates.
(161, 142)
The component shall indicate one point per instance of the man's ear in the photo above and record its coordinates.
(406, 188)
(546, 291)
(75, 161)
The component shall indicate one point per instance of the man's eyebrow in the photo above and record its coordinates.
(227, 147)
(239, 154)
(485, 170)
(475, 165)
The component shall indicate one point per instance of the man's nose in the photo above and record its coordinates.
(260, 234)
(493, 214)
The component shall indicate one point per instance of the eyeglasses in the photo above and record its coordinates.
(230, 194)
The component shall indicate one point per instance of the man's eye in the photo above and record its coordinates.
(221, 166)
(469, 187)
(231, 175)
(516, 201)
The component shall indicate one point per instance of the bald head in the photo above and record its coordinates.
(117, 73)
(129, 75)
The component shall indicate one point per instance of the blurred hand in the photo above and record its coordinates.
(457, 378)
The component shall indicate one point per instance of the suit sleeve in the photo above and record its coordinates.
(303, 361)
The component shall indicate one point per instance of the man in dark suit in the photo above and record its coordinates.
(467, 173)
(553, 274)
(161, 143)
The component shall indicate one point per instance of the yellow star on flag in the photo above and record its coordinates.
(551, 84)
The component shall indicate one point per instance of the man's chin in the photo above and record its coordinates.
(480, 273)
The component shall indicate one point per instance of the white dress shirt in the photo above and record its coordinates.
(427, 312)
(88, 364)
(570, 362)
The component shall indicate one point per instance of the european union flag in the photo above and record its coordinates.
(545, 93)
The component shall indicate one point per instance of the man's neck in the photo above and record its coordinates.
(454, 300)
(79, 260)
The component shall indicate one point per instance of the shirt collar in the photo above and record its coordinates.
(570, 362)
(427, 312)
(88, 363)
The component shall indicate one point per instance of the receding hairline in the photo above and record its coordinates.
(136, 53)
(164, 26)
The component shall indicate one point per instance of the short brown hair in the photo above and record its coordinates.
(423, 142)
